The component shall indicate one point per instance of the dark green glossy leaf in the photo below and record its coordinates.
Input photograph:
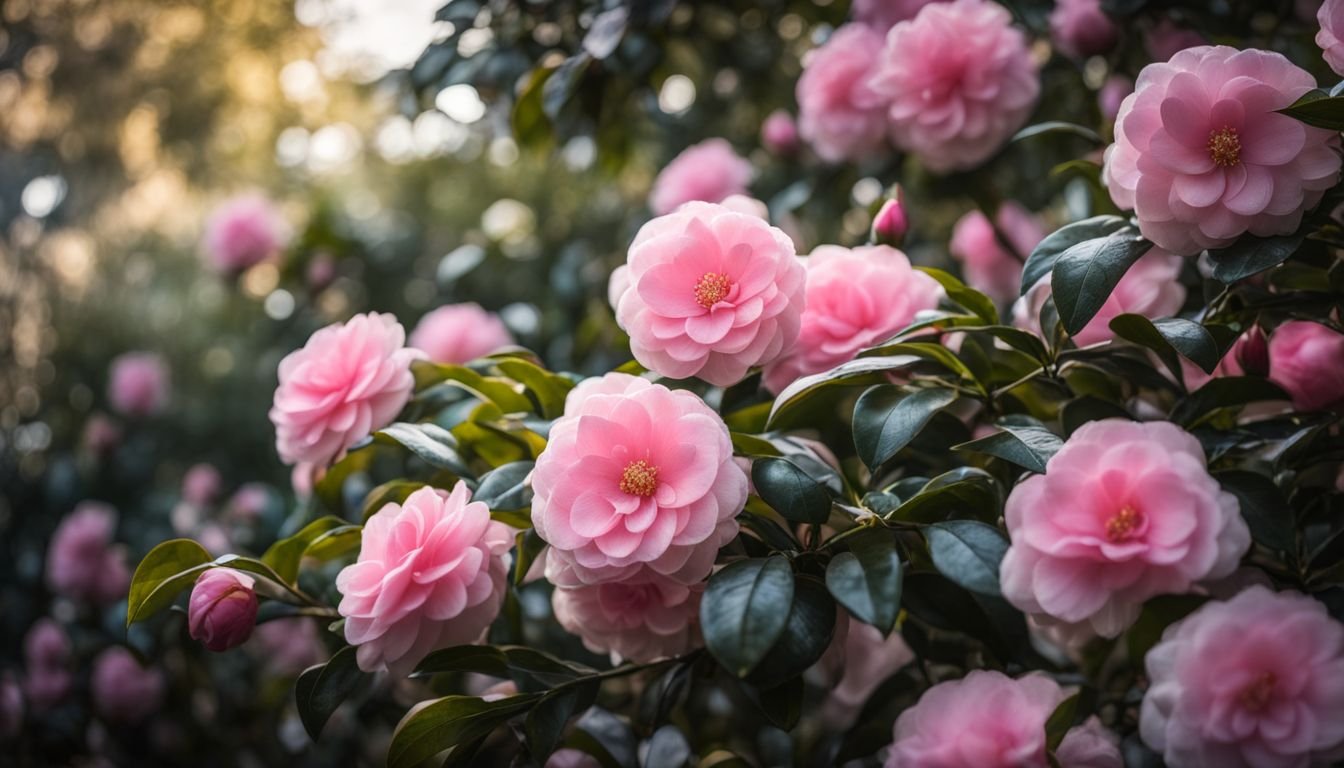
(968, 553)
(434, 445)
(524, 665)
(504, 488)
(391, 492)
(1085, 274)
(958, 491)
(1169, 337)
(1042, 260)
(1027, 446)
(1158, 614)
(867, 579)
(550, 389)
(285, 554)
(740, 613)
(1252, 255)
(1267, 513)
(1057, 127)
(1317, 108)
(782, 704)
(322, 688)
(546, 722)
(1224, 392)
(444, 723)
(1060, 721)
(790, 491)
(854, 372)
(976, 302)
(527, 545)
(887, 418)
(168, 569)
(808, 628)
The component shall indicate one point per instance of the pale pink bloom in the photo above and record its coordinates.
(1150, 287)
(708, 172)
(287, 646)
(1124, 512)
(138, 384)
(46, 655)
(988, 266)
(856, 298)
(891, 223)
(1202, 155)
(249, 502)
(748, 205)
(431, 574)
(1090, 745)
(346, 382)
(710, 293)
(779, 134)
(860, 659)
(124, 691)
(642, 618)
(244, 231)
(635, 476)
(839, 114)
(1112, 95)
(1253, 682)
(459, 333)
(1331, 17)
(1166, 39)
(988, 720)
(223, 609)
(958, 81)
(302, 479)
(82, 561)
(885, 14)
(201, 484)
(1080, 28)
(1307, 360)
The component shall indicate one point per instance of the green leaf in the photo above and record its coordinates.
(527, 545)
(284, 555)
(1221, 393)
(790, 491)
(391, 492)
(444, 723)
(169, 568)
(1060, 721)
(559, 87)
(934, 353)
(1042, 260)
(1085, 274)
(1158, 614)
(974, 301)
(1263, 506)
(1252, 255)
(1058, 127)
(867, 579)
(546, 722)
(854, 372)
(886, 419)
(741, 612)
(968, 553)
(807, 632)
(1026, 445)
(550, 389)
(1317, 108)
(1169, 337)
(782, 704)
(322, 688)
(526, 666)
(489, 389)
(606, 32)
(960, 490)
(751, 445)
(432, 443)
(505, 488)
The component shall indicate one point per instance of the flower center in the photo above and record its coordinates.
(1256, 696)
(640, 478)
(1123, 524)
(1224, 147)
(711, 289)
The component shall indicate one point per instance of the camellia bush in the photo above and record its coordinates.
(1079, 506)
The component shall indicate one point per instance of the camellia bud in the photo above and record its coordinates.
(223, 609)
(779, 133)
(890, 224)
(1252, 352)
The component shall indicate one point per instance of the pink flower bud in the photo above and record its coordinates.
(779, 134)
(1307, 360)
(1251, 351)
(890, 224)
(123, 691)
(201, 484)
(223, 609)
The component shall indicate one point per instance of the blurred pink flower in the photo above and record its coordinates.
(885, 14)
(138, 384)
(223, 609)
(1331, 17)
(431, 574)
(710, 293)
(11, 707)
(642, 618)
(101, 434)
(82, 561)
(856, 298)
(862, 660)
(1307, 360)
(201, 484)
(346, 382)
(1080, 28)
(1257, 680)
(1090, 745)
(459, 333)
(287, 646)
(988, 266)
(748, 205)
(839, 114)
(46, 656)
(779, 134)
(244, 231)
(123, 691)
(1125, 511)
(1166, 39)
(250, 501)
(1202, 155)
(708, 172)
(958, 80)
(635, 475)
(1112, 95)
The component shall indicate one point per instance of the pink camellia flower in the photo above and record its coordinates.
(1112, 95)
(460, 333)
(1080, 28)
(46, 656)
(430, 575)
(82, 561)
(708, 172)
(1124, 512)
(856, 298)
(958, 80)
(1257, 680)
(1166, 39)
(859, 660)
(1331, 17)
(635, 476)
(891, 224)
(1307, 360)
(885, 14)
(643, 618)
(1150, 288)
(779, 134)
(709, 292)
(244, 231)
(346, 382)
(839, 114)
(1202, 155)
(123, 691)
(748, 205)
(201, 484)
(989, 720)
(223, 609)
(988, 266)
(138, 384)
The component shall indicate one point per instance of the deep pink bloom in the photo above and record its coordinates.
(46, 656)
(856, 298)
(431, 574)
(1331, 17)
(82, 561)
(1307, 360)
(1257, 680)
(708, 172)
(1080, 28)
(779, 134)
(885, 14)
(1150, 288)
(201, 484)
(891, 223)
(124, 691)
(635, 475)
(138, 384)
(958, 80)
(839, 114)
(346, 382)
(988, 720)
(710, 293)
(223, 609)
(1202, 155)
(244, 231)
(988, 266)
(1124, 512)
(1112, 95)
(1166, 39)
(459, 333)
(643, 618)
(858, 661)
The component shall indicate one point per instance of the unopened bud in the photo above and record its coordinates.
(1252, 352)
(223, 609)
(890, 224)
(779, 134)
